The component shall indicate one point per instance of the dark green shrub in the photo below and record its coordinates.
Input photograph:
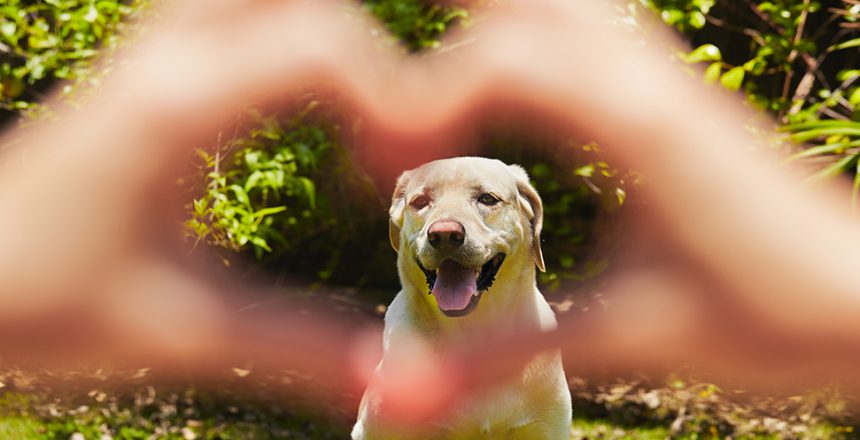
(794, 58)
(287, 192)
(258, 180)
(42, 42)
(418, 24)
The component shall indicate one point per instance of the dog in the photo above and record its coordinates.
(467, 234)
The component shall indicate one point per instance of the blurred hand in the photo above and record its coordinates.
(738, 272)
(741, 272)
(91, 262)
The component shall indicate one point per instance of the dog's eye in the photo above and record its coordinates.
(488, 199)
(420, 202)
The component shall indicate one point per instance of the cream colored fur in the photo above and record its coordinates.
(536, 403)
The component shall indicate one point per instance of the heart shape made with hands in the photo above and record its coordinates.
(575, 70)
(512, 64)
(514, 59)
(185, 78)
(519, 61)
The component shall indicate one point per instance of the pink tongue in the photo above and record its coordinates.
(455, 285)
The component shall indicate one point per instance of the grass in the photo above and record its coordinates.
(593, 429)
(21, 427)
(67, 405)
(186, 413)
(297, 427)
(603, 429)
(240, 410)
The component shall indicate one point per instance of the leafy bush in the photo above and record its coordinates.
(686, 15)
(42, 42)
(582, 195)
(265, 181)
(418, 24)
(838, 148)
(288, 192)
(795, 58)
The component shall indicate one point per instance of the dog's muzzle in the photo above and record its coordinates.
(458, 288)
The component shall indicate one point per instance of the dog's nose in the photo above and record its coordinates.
(446, 234)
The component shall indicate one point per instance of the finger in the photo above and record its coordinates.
(651, 331)
(183, 320)
(519, 59)
(415, 387)
(645, 331)
(152, 313)
(267, 51)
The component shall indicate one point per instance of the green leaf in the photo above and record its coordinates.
(846, 129)
(821, 123)
(705, 52)
(733, 79)
(847, 74)
(846, 44)
(92, 14)
(310, 191)
(834, 169)
(253, 180)
(241, 195)
(621, 195)
(756, 66)
(697, 20)
(672, 16)
(712, 73)
(200, 206)
(269, 211)
(854, 99)
(8, 28)
(820, 150)
(585, 171)
(261, 243)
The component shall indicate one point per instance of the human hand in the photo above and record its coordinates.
(88, 230)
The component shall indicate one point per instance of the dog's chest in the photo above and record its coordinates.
(532, 397)
(493, 413)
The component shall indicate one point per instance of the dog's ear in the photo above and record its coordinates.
(530, 203)
(395, 213)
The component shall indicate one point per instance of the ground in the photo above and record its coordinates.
(83, 405)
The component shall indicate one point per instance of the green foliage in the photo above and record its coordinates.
(686, 15)
(580, 225)
(694, 409)
(795, 58)
(55, 405)
(242, 408)
(288, 192)
(418, 24)
(42, 42)
(258, 189)
(790, 49)
(582, 196)
(837, 148)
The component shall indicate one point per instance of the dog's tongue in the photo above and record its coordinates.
(455, 285)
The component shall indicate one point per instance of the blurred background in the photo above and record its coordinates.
(286, 204)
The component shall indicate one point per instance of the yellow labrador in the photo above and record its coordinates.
(467, 233)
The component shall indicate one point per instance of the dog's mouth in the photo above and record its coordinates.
(458, 288)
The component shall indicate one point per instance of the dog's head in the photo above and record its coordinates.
(455, 222)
